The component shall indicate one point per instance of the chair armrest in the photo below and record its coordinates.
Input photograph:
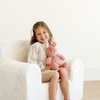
(19, 81)
(76, 75)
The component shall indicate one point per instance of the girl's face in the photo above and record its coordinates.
(41, 34)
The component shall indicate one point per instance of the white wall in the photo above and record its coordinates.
(75, 24)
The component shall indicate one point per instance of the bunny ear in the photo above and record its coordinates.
(54, 44)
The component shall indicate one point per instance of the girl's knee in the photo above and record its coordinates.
(63, 71)
(56, 75)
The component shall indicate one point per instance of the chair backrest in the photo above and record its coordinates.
(14, 49)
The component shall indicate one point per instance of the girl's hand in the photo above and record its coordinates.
(46, 44)
(47, 68)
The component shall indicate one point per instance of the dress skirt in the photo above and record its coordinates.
(47, 74)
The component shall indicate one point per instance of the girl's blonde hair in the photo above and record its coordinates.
(42, 24)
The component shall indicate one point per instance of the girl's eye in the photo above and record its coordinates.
(38, 34)
(44, 32)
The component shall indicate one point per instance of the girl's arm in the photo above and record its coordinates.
(33, 56)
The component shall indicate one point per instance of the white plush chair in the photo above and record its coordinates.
(22, 81)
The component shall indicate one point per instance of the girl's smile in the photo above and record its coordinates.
(41, 34)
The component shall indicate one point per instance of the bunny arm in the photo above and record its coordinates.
(61, 56)
(48, 60)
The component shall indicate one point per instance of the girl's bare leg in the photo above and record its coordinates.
(53, 86)
(64, 83)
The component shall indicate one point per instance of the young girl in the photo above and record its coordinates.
(41, 35)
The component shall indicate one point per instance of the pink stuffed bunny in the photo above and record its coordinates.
(54, 58)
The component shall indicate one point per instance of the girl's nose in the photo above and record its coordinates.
(42, 35)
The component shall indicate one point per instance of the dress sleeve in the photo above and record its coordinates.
(41, 65)
(33, 56)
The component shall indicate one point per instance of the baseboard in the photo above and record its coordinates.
(91, 72)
